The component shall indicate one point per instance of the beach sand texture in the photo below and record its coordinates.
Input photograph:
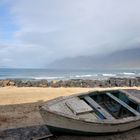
(19, 106)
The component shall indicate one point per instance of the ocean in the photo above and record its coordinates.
(53, 74)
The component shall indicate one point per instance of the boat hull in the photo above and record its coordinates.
(59, 131)
(62, 124)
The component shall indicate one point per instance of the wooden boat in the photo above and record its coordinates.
(98, 112)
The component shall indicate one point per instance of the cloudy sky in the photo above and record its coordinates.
(33, 33)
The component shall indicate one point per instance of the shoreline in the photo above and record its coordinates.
(86, 83)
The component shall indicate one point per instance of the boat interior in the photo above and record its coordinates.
(103, 105)
(112, 104)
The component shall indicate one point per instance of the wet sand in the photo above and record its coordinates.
(19, 106)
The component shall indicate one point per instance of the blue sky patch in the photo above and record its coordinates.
(7, 25)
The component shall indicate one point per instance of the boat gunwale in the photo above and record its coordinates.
(131, 97)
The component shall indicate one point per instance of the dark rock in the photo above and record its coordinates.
(1, 83)
(132, 82)
(5, 83)
(18, 83)
(55, 83)
(43, 83)
(138, 81)
(119, 82)
(11, 83)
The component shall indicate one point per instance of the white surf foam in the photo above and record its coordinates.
(84, 76)
(109, 75)
(49, 78)
(128, 73)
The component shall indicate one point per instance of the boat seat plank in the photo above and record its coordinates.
(123, 104)
(97, 107)
(78, 106)
(61, 108)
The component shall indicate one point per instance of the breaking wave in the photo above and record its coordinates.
(128, 73)
(82, 76)
(109, 75)
(48, 78)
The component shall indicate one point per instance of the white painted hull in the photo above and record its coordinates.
(57, 122)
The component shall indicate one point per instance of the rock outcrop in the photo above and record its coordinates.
(111, 82)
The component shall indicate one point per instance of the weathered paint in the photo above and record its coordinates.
(72, 124)
(63, 122)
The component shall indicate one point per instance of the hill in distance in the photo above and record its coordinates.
(129, 58)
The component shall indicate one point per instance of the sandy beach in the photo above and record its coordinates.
(19, 106)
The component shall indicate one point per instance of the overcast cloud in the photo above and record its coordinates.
(46, 30)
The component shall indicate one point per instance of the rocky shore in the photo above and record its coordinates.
(111, 82)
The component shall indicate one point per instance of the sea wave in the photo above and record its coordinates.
(109, 75)
(86, 75)
(128, 73)
(48, 78)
